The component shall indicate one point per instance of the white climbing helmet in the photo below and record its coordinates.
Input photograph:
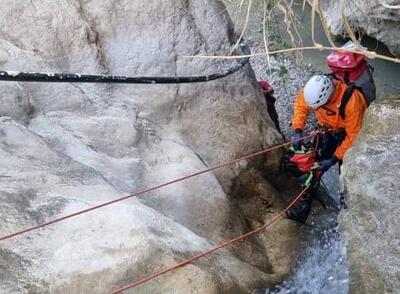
(318, 90)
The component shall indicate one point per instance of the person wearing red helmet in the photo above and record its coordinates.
(268, 92)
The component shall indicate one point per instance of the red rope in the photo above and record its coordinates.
(219, 246)
(11, 235)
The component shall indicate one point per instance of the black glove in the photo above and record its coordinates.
(326, 164)
(296, 136)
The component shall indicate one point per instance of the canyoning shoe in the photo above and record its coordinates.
(301, 210)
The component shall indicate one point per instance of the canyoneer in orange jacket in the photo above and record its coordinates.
(339, 110)
(324, 96)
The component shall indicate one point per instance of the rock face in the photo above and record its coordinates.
(371, 17)
(372, 223)
(66, 147)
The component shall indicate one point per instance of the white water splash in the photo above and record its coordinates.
(323, 268)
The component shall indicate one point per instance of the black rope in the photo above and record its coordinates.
(78, 78)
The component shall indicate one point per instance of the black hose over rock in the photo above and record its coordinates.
(109, 79)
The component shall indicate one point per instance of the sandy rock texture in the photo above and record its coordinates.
(371, 224)
(370, 17)
(66, 147)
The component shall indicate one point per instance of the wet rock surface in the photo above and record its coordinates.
(371, 223)
(66, 147)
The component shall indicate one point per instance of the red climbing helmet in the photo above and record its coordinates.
(265, 86)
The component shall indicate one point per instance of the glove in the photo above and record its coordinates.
(296, 136)
(326, 164)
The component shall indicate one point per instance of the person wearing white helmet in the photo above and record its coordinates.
(324, 96)
(318, 90)
(340, 121)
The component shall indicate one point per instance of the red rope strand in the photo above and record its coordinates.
(219, 246)
(33, 228)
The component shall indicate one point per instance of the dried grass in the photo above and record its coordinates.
(244, 27)
(265, 36)
(369, 54)
(286, 8)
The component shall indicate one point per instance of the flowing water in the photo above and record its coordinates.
(323, 268)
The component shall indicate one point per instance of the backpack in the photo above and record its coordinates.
(355, 71)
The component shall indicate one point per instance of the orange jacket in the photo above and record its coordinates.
(328, 115)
